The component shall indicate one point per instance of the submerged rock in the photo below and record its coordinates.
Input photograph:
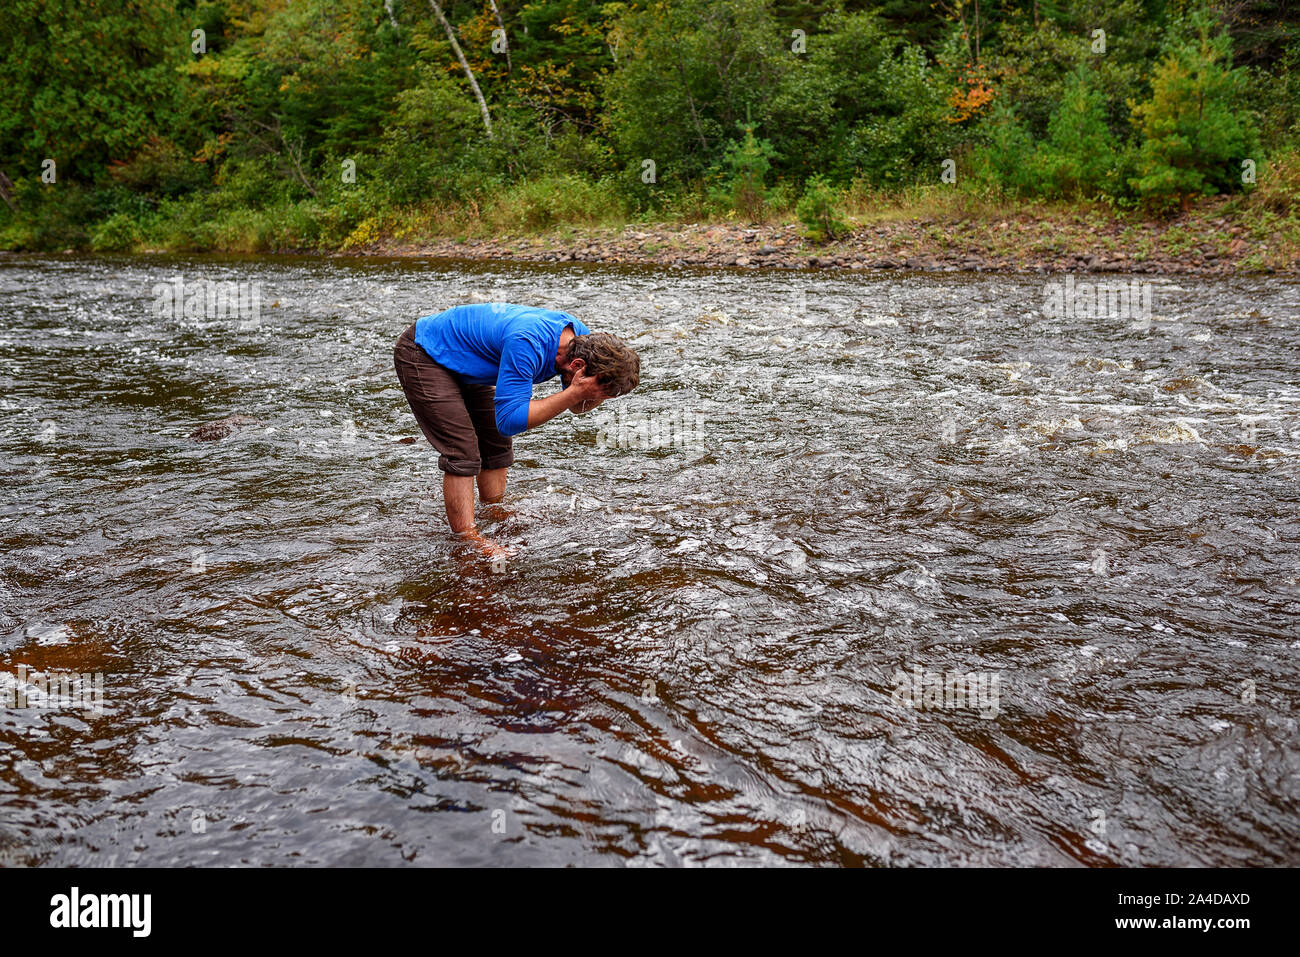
(218, 430)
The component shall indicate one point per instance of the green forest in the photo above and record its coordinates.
(263, 125)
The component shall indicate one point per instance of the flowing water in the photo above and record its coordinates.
(719, 639)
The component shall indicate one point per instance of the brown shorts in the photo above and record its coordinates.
(457, 417)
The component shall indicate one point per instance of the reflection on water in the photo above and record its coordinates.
(943, 580)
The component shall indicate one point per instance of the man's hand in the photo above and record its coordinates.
(582, 394)
(587, 393)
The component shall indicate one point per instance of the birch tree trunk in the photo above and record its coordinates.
(505, 41)
(464, 65)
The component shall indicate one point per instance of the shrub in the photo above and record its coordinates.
(817, 211)
(1005, 158)
(551, 200)
(1279, 185)
(187, 224)
(160, 166)
(119, 233)
(745, 166)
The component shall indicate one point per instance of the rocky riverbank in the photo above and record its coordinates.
(1195, 244)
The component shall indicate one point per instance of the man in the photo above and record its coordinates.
(468, 374)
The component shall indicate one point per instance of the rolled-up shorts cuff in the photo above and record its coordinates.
(458, 466)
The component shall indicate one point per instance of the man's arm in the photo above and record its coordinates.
(516, 409)
(520, 361)
(581, 390)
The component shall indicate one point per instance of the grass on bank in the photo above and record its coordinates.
(558, 208)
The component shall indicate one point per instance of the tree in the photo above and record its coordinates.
(1079, 153)
(863, 102)
(690, 72)
(1194, 136)
(85, 83)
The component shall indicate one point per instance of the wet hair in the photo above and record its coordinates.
(611, 360)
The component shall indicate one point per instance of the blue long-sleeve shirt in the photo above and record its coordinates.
(498, 343)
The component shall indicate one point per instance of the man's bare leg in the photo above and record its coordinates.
(458, 497)
(492, 485)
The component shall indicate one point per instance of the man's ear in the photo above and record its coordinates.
(578, 366)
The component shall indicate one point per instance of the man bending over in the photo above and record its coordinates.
(468, 374)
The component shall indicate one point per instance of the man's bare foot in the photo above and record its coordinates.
(491, 550)
(497, 512)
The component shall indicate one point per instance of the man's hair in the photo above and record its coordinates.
(609, 359)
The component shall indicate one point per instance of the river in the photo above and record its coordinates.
(891, 569)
